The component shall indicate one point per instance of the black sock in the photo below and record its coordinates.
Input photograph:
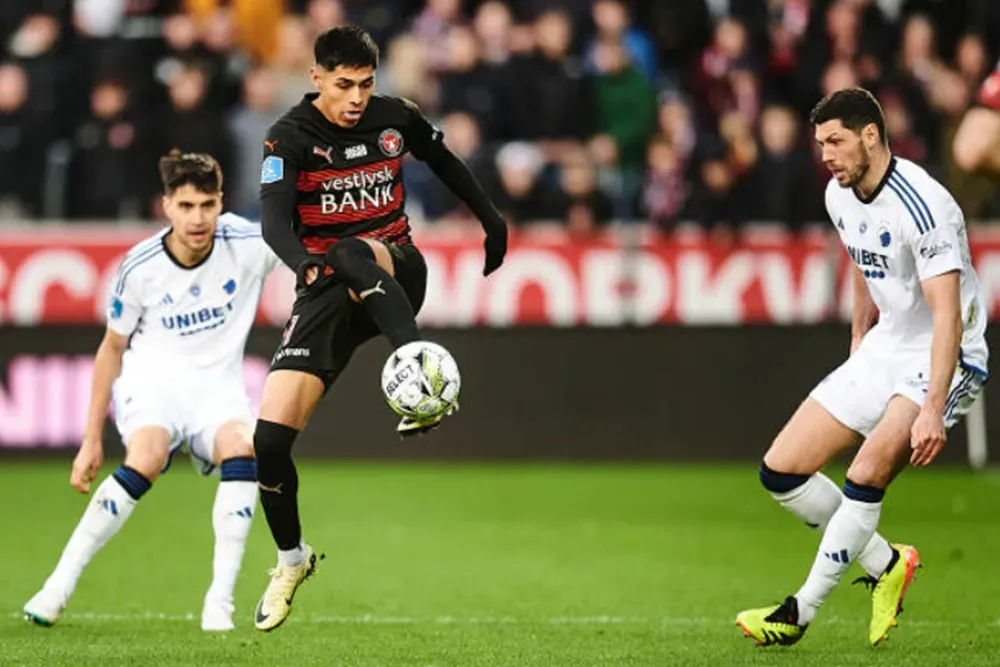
(278, 482)
(383, 298)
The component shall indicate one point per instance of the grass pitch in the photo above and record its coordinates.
(535, 565)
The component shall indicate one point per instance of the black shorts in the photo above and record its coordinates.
(327, 326)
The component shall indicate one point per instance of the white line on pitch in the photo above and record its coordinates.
(373, 619)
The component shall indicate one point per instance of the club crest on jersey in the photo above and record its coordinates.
(324, 152)
(391, 142)
(230, 286)
(863, 227)
(884, 238)
(195, 290)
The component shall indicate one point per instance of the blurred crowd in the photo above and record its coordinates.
(571, 112)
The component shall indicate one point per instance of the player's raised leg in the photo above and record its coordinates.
(790, 473)
(114, 500)
(369, 269)
(882, 456)
(232, 513)
(290, 397)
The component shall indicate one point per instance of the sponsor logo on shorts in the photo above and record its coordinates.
(285, 352)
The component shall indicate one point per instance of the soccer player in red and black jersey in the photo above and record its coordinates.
(976, 146)
(333, 210)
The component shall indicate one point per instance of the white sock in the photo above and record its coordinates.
(850, 529)
(292, 557)
(232, 515)
(104, 516)
(815, 503)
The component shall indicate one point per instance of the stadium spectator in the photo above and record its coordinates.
(247, 124)
(524, 71)
(23, 141)
(626, 114)
(787, 188)
(104, 164)
(614, 24)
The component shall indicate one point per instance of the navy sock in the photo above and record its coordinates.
(133, 481)
(780, 482)
(239, 469)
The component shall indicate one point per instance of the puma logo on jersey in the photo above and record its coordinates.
(327, 152)
(356, 152)
(271, 145)
(364, 294)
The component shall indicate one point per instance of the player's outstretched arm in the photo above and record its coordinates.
(426, 143)
(454, 173)
(107, 366)
(863, 317)
(943, 296)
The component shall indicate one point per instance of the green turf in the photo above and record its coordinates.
(500, 565)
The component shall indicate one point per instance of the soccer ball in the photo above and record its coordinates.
(420, 380)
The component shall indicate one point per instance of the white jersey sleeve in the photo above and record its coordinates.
(936, 236)
(259, 254)
(125, 305)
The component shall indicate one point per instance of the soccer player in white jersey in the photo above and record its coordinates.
(181, 308)
(909, 377)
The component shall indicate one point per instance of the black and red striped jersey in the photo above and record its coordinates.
(346, 181)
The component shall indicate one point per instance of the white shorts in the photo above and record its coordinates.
(858, 391)
(191, 414)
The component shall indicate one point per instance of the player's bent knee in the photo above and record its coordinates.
(148, 451)
(233, 439)
(867, 472)
(273, 441)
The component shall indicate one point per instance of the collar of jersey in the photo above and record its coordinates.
(166, 249)
(881, 184)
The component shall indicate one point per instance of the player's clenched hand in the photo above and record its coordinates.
(86, 464)
(307, 271)
(496, 248)
(927, 437)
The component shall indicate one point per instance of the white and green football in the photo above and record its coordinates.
(420, 380)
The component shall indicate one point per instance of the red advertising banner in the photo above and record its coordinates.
(62, 276)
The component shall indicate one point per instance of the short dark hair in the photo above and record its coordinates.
(200, 170)
(854, 107)
(348, 45)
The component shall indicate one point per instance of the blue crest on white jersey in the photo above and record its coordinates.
(884, 238)
(230, 286)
